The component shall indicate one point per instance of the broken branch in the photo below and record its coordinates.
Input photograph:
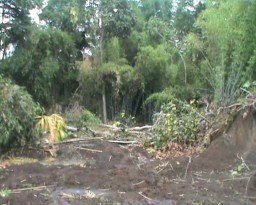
(123, 142)
(91, 150)
(31, 188)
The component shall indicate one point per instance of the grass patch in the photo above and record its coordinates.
(22, 160)
(5, 192)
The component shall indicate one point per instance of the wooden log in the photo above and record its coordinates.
(72, 129)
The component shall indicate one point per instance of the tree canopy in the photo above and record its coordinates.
(111, 56)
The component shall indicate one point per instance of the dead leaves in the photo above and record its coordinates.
(174, 149)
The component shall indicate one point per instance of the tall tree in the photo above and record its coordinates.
(15, 22)
(115, 20)
(73, 17)
(185, 16)
(158, 8)
(45, 65)
(228, 46)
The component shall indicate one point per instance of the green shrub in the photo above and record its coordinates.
(90, 117)
(17, 111)
(160, 98)
(78, 115)
(177, 121)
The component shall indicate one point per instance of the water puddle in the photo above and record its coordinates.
(67, 195)
(64, 196)
(162, 202)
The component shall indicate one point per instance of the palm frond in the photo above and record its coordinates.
(54, 124)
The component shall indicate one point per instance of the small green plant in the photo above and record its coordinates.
(177, 121)
(5, 192)
(90, 117)
(124, 120)
(241, 168)
(249, 85)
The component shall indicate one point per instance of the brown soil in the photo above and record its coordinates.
(115, 174)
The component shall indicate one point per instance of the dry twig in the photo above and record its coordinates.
(233, 179)
(161, 167)
(139, 183)
(247, 184)
(75, 140)
(30, 188)
(189, 161)
(66, 196)
(122, 142)
(91, 150)
(140, 193)
(250, 197)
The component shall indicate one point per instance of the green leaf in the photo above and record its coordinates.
(241, 168)
(247, 85)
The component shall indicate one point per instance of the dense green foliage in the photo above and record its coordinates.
(15, 23)
(226, 46)
(89, 118)
(45, 66)
(129, 56)
(17, 115)
(177, 122)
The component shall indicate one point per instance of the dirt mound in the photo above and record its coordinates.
(227, 150)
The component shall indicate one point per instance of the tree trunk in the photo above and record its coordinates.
(138, 99)
(104, 106)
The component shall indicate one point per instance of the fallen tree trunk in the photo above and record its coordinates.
(123, 142)
(72, 129)
(110, 132)
(146, 127)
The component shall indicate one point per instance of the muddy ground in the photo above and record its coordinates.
(95, 171)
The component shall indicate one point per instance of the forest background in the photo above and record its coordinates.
(121, 57)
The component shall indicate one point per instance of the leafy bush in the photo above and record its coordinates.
(90, 117)
(78, 115)
(17, 111)
(159, 98)
(177, 121)
(124, 120)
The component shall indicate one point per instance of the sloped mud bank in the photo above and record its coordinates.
(99, 172)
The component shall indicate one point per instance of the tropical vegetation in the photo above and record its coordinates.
(123, 56)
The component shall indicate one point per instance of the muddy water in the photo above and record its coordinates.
(63, 196)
